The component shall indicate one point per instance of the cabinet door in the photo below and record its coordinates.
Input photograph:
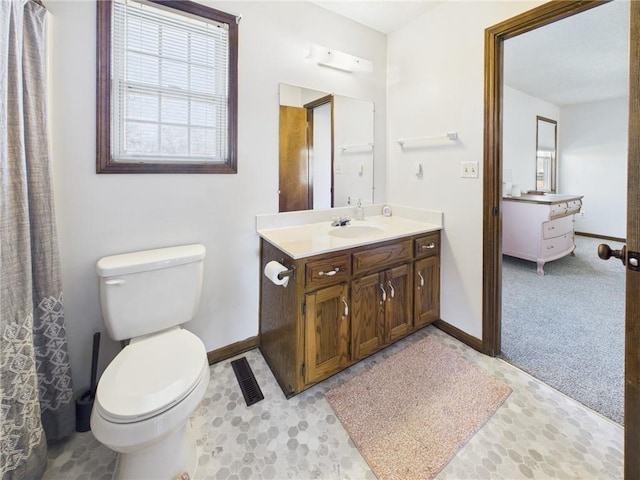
(327, 332)
(367, 319)
(427, 291)
(398, 283)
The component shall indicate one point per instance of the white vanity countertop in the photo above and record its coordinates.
(299, 239)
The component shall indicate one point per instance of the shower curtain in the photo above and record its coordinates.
(36, 394)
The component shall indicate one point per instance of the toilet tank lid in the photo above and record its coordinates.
(147, 260)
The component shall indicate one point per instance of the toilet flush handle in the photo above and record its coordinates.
(114, 281)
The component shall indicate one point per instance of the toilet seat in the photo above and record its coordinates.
(150, 375)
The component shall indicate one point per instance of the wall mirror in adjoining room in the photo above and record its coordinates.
(546, 152)
(326, 149)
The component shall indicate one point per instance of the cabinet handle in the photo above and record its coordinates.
(384, 294)
(330, 273)
(346, 307)
(421, 279)
(392, 292)
(427, 247)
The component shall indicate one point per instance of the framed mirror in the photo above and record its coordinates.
(546, 152)
(326, 149)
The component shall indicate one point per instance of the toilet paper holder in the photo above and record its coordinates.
(290, 272)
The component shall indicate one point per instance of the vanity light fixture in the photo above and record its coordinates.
(329, 57)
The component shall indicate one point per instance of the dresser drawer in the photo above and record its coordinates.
(427, 245)
(377, 258)
(557, 247)
(327, 271)
(558, 209)
(557, 227)
(574, 206)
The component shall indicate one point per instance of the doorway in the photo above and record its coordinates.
(492, 252)
(565, 325)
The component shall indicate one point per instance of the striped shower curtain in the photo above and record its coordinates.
(36, 395)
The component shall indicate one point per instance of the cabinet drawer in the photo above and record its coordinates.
(557, 247)
(327, 271)
(377, 258)
(557, 227)
(427, 245)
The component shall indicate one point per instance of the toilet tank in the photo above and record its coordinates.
(151, 290)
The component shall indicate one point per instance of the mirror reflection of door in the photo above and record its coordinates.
(306, 150)
(294, 161)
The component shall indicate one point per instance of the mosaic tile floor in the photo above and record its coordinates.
(537, 433)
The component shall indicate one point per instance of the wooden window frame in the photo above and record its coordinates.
(104, 161)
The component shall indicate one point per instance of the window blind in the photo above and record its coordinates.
(170, 86)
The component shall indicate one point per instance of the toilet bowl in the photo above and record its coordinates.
(149, 391)
(143, 403)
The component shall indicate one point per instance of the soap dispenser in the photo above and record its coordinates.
(359, 211)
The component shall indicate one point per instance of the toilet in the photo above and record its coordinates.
(147, 394)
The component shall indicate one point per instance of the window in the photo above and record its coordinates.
(167, 88)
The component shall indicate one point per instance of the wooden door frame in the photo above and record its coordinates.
(492, 197)
(310, 107)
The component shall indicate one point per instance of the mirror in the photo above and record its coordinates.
(546, 149)
(326, 150)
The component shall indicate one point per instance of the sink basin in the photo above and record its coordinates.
(355, 231)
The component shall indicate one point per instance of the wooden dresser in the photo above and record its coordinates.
(539, 227)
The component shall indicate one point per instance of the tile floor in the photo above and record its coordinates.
(537, 433)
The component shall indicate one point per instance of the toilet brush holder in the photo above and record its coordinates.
(84, 402)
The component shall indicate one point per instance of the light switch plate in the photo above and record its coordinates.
(469, 169)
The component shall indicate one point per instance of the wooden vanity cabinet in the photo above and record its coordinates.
(426, 297)
(368, 314)
(398, 309)
(381, 309)
(343, 306)
(327, 332)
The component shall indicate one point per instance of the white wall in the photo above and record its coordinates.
(593, 162)
(104, 214)
(519, 135)
(436, 66)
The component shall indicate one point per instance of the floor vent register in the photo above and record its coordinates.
(247, 381)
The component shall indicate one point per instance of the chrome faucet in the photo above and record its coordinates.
(340, 222)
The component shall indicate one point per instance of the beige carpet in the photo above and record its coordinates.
(411, 413)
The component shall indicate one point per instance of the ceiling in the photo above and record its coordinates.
(583, 58)
(382, 15)
(580, 59)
